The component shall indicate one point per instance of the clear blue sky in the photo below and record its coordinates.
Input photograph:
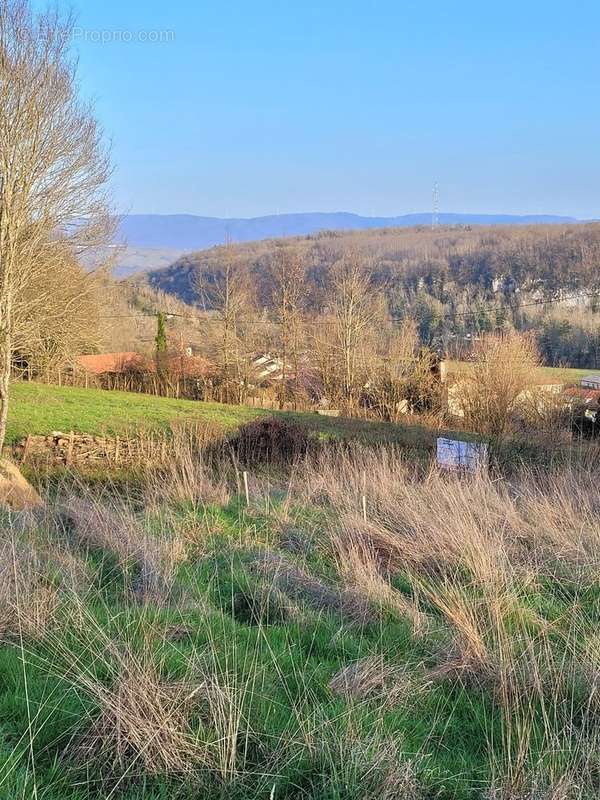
(264, 107)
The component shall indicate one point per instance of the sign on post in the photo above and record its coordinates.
(454, 454)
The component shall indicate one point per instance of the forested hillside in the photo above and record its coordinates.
(456, 282)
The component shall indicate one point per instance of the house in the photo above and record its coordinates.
(178, 374)
(590, 382)
(302, 379)
(183, 364)
(267, 368)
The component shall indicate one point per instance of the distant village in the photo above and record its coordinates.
(188, 375)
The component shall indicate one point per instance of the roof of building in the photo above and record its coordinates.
(110, 362)
(587, 396)
(191, 366)
(102, 363)
(268, 367)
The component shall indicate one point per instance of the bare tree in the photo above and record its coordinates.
(287, 273)
(53, 168)
(228, 293)
(394, 368)
(502, 377)
(55, 317)
(353, 311)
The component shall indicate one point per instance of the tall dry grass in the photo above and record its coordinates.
(197, 470)
(476, 550)
(111, 527)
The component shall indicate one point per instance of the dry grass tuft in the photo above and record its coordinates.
(376, 765)
(28, 600)
(304, 588)
(142, 726)
(372, 678)
(366, 572)
(567, 787)
(116, 531)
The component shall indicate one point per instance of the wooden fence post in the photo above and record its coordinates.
(246, 488)
(26, 448)
(364, 495)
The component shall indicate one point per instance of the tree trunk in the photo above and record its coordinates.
(5, 363)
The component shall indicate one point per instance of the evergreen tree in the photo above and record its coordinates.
(160, 339)
(160, 342)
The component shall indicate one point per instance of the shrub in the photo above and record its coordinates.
(271, 440)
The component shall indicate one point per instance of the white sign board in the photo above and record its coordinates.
(454, 454)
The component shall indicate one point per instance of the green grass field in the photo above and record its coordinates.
(40, 409)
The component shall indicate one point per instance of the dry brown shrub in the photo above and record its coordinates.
(271, 440)
(500, 382)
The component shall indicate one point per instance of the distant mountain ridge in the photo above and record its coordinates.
(187, 232)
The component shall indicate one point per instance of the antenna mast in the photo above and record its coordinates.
(435, 213)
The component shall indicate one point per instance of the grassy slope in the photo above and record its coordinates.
(40, 409)
(297, 739)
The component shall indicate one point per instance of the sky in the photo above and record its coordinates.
(248, 108)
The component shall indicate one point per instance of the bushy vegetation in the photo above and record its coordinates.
(271, 440)
(176, 642)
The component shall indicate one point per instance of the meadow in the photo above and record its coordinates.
(173, 638)
(39, 408)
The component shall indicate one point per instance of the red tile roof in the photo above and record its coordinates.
(110, 362)
(191, 366)
(585, 395)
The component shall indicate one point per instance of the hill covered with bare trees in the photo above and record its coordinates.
(455, 282)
